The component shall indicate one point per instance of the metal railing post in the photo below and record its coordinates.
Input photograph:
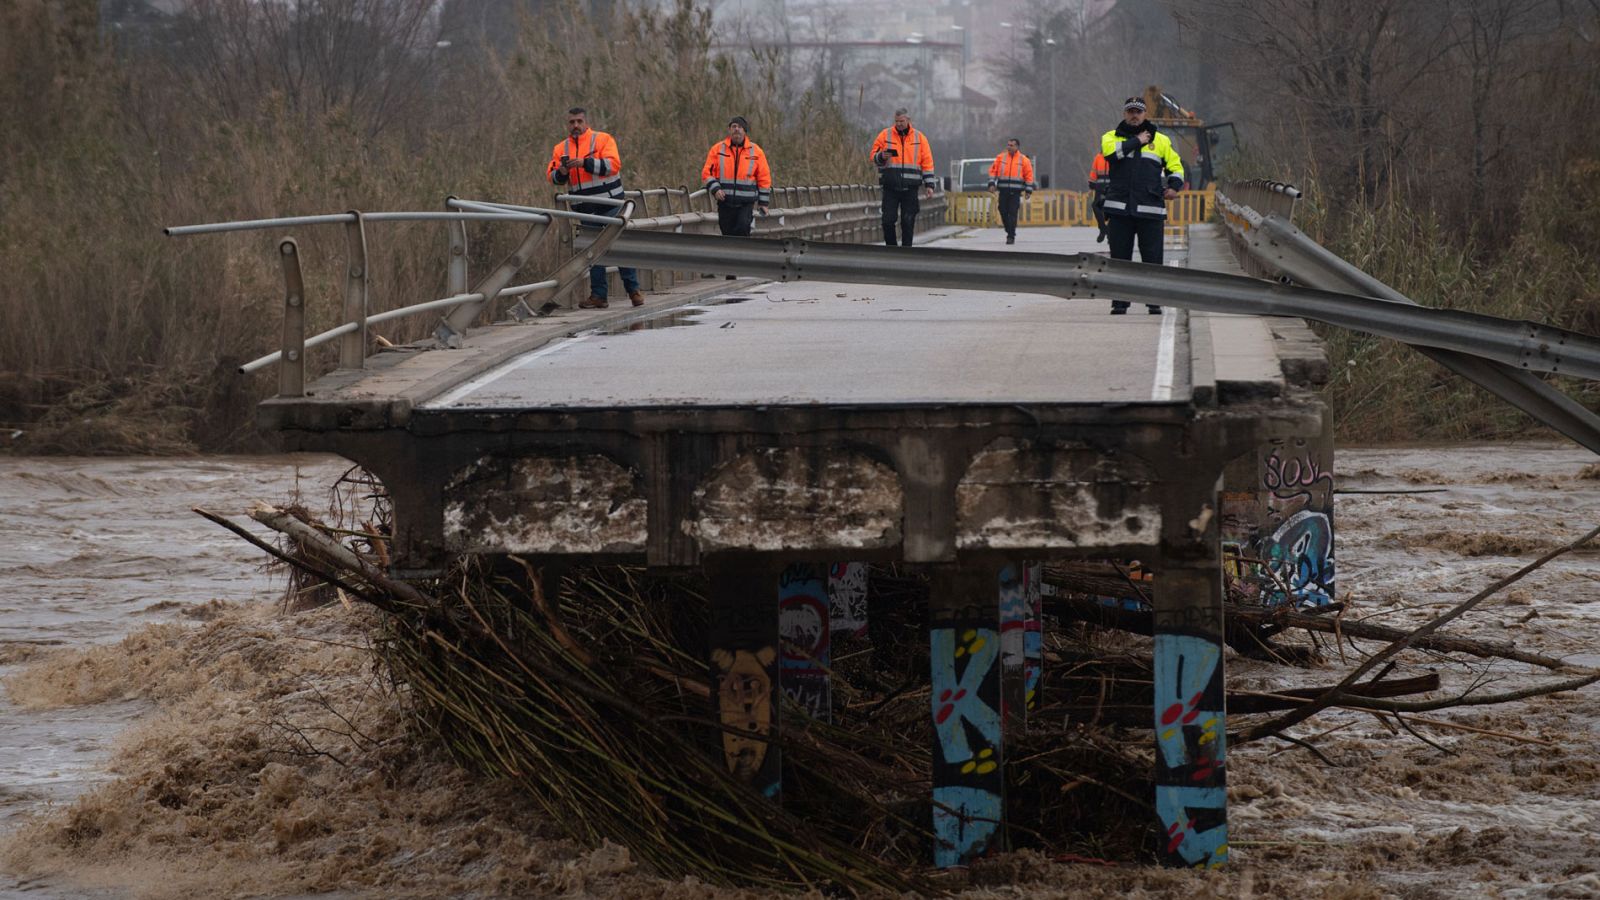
(456, 280)
(353, 346)
(292, 370)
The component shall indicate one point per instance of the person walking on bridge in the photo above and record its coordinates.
(1145, 173)
(1099, 180)
(587, 162)
(1012, 175)
(736, 174)
(905, 165)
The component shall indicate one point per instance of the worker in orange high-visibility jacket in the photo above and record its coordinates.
(737, 176)
(1099, 180)
(1012, 175)
(905, 166)
(587, 162)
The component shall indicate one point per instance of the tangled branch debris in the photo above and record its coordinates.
(596, 700)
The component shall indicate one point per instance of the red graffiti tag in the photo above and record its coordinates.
(949, 705)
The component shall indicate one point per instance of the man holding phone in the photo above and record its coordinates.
(587, 162)
(905, 167)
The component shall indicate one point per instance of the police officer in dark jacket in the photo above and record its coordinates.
(1145, 173)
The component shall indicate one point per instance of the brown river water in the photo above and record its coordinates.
(93, 550)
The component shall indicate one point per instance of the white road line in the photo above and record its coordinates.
(502, 370)
(1166, 356)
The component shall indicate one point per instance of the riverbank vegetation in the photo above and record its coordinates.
(1446, 147)
(114, 338)
(1449, 149)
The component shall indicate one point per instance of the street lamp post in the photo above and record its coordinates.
(1054, 52)
(962, 103)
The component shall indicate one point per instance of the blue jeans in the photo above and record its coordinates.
(597, 280)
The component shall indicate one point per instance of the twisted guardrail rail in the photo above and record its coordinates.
(1258, 217)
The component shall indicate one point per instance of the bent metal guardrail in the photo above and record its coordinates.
(1258, 216)
(837, 212)
(1520, 344)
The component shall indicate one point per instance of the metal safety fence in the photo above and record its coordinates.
(837, 213)
(979, 209)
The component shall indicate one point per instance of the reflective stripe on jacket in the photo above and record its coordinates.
(740, 171)
(601, 172)
(1011, 172)
(912, 164)
(1139, 173)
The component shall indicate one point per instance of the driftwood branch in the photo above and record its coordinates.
(283, 522)
(1284, 617)
(1340, 691)
(299, 563)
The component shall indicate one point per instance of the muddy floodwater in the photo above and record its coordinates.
(1500, 801)
(91, 549)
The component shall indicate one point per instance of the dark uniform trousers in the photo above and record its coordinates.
(736, 219)
(1010, 205)
(1122, 231)
(902, 205)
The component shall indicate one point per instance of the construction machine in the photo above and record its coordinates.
(1199, 144)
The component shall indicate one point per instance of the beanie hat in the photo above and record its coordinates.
(740, 121)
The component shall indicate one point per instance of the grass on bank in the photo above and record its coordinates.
(1549, 272)
(114, 338)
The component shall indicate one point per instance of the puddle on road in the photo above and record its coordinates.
(677, 318)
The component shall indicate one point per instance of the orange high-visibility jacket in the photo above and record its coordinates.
(601, 172)
(911, 164)
(1099, 173)
(1011, 172)
(741, 171)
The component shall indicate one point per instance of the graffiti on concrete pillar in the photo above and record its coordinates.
(968, 785)
(1021, 638)
(1278, 536)
(1033, 635)
(1298, 556)
(804, 632)
(1191, 751)
(744, 669)
(1296, 548)
(745, 708)
(847, 599)
(1013, 615)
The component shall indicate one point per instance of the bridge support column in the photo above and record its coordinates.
(968, 775)
(1277, 507)
(1190, 713)
(1020, 641)
(744, 667)
(805, 632)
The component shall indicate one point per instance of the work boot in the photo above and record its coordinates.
(637, 297)
(732, 277)
(1011, 239)
(1152, 310)
(594, 303)
(1119, 309)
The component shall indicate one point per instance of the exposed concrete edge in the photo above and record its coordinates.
(1202, 362)
(483, 349)
(1301, 353)
(1302, 357)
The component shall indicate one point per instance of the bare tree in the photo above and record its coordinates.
(372, 58)
(1349, 69)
